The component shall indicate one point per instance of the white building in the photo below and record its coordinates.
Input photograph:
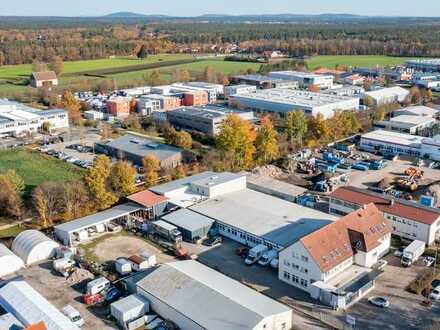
(33, 246)
(393, 143)
(305, 79)
(94, 115)
(414, 125)
(213, 90)
(285, 100)
(427, 65)
(9, 262)
(17, 119)
(328, 261)
(146, 106)
(418, 111)
(410, 220)
(239, 89)
(388, 95)
(196, 297)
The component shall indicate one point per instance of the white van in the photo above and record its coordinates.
(255, 254)
(73, 315)
(267, 257)
(97, 285)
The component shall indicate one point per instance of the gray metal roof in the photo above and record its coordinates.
(128, 303)
(261, 182)
(217, 179)
(265, 216)
(188, 219)
(209, 298)
(176, 184)
(97, 218)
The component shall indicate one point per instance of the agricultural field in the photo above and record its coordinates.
(354, 60)
(36, 168)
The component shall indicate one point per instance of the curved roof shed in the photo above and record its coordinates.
(9, 262)
(33, 246)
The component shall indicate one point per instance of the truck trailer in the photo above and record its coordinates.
(412, 252)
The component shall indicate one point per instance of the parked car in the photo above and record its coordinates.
(380, 265)
(398, 253)
(379, 302)
(435, 294)
(428, 261)
(213, 241)
(73, 315)
(274, 263)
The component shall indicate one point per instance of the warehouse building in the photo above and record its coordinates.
(192, 225)
(264, 82)
(285, 100)
(409, 220)
(33, 246)
(9, 262)
(305, 79)
(30, 308)
(87, 228)
(426, 65)
(419, 110)
(205, 119)
(134, 148)
(239, 90)
(387, 95)
(194, 296)
(414, 125)
(393, 143)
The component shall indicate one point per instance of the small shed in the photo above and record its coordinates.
(9, 262)
(44, 78)
(33, 246)
(191, 224)
(129, 309)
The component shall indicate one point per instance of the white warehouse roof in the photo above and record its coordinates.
(33, 246)
(394, 138)
(9, 262)
(29, 307)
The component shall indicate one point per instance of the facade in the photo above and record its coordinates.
(239, 89)
(283, 101)
(212, 90)
(44, 79)
(393, 143)
(409, 220)
(264, 82)
(134, 148)
(94, 115)
(167, 102)
(196, 297)
(350, 91)
(146, 106)
(305, 79)
(17, 119)
(418, 111)
(119, 107)
(387, 95)
(426, 65)
(205, 119)
(33, 246)
(314, 262)
(195, 98)
(414, 125)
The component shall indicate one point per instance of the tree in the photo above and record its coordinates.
(15, 179)
(73, 107)
(296, 126)
(10, 200)
(180, 139)
(122, 178)
(179, 172)
(153, 78)
(75, 200)
(96, 181)
(143, 52)
(185, 76)
(236, 136)
(318, 128)
(46, 199)
(151, 165)
(209, 75)
(266, 142)
(38, 66)
(415, 95)
(57, 65)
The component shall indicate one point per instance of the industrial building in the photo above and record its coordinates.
(426, 65)
(414, 125)
(213, 90)
(154, 205)
(239, 89)
(9, 262)
(333, 264)
(419, 110)
(18, 119)
(393, 143)
(264, 82)
(197, 297)
(146, 106)
(192, 225)
(409, 220)
(305, 79)
(134, 148)
(33, 246)
(387, 95)
(350, 91)
(285, 100)
(119, 107)
(205, 119)
(30, 308)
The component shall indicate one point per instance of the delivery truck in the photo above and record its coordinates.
(412, 252)
(267, 257)
(166, 231)
(255, 254)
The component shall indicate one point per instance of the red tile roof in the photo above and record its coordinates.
(44, 75)
(404, 209)
(147, 198)
(334, 243)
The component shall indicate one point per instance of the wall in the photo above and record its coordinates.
(368, 259)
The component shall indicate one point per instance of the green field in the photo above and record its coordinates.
(354, 60)
(36, 168)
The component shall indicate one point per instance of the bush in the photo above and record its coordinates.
(421, 282)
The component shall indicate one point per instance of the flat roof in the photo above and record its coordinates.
(394, 138)
(97, 218)
(265, 216)
(128, 303)
(301, 74)
(412, 120)
(419, 110)
(431, 61)
(385, 92)
(260, 78)
(209, 112)
(254, 181)
(207, 297)
(188, 219)
(217, 179)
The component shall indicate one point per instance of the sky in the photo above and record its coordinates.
(233, 7)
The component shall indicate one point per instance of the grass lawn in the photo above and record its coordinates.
(11, 231)
(354, 60)
(36, 168)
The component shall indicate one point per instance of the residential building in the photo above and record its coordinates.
(328, 261)
(17, 119)
(388, 95)
(410, 220)
(195, 98)
(134, 148)
(119, 107)
(285, 100)
(393, 143)
(194, 296)
(418, 111)
(426, 65)
(239, 89)
(205, 119)
(146, 106)
(263, 82)
(305, 79)
(44, 79)
(414, 125)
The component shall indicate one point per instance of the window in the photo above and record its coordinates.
(304, 258)
(286, 275)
